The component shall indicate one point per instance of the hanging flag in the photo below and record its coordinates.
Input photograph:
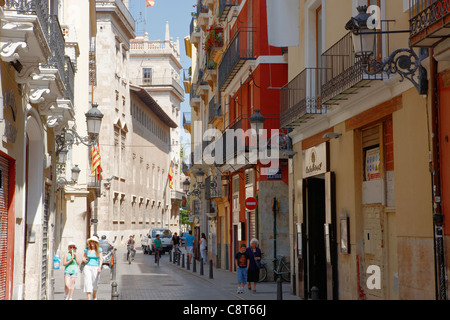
(171, 175)
(150, 3)
(96, 168)
(283, 22)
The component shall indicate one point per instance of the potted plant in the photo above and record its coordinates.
(214, 39)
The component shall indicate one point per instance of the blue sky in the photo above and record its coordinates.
(178, 13)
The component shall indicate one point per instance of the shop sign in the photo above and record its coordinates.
(373, 164)
(315, 160)
(10, 132)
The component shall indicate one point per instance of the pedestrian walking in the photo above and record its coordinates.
(242, 264)
(189, 245)
(254, 254)
(93, 259)
(71, 270)
(203, 247)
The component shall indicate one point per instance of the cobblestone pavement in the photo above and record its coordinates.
(144, 280)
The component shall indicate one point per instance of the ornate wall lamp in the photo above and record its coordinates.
(200, 176)
(69, 136)
(404, 62)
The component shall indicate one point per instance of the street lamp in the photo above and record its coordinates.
(200, 176)
(69, 136)
(403, 62)
(257, 121)
(61, 181)
(94, 120)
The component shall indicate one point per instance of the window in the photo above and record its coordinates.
(147, 75)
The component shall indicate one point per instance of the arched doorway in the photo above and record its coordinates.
(34, 206)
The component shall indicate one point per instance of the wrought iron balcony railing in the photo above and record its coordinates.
(215, 109)
(32, 7)
(201, 7)
(69, 80)
(225, 7)
(57, 45)
(344, 72)
(429, 21)
(187, 121)
(301, 98)
(239, 50)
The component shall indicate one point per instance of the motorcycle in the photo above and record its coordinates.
(108, 259)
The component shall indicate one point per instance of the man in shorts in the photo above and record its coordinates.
(189, 245)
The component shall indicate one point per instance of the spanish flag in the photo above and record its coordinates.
(96, 168)
(171, 175)
(150, 3)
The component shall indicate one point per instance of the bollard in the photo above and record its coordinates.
(114, 292)
(315, 293)
(170, 256)
(279, 288)
(178, 258)
(188, 267)
(182, 264)
(211, 269)
(194, 266)
(114, 268)
(201, 267)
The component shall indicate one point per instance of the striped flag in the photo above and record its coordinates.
(150, 3)
(96, 168)
(171, 175)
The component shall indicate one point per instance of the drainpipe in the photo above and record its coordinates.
(274, 208)
(438, 217)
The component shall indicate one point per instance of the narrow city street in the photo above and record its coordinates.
(144, 280)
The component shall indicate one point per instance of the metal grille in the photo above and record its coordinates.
(44, 268)
(4, 175)
(300, 98)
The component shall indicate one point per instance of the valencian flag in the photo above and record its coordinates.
(149, 3)
(171, 175)
(96, 168)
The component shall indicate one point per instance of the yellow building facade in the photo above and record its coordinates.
(361, 210)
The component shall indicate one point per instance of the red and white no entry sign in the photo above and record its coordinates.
(250, 203)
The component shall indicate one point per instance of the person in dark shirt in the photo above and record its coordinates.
(176, 242)
(242, 263)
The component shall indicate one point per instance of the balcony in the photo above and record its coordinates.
(69, 78)
(194, 97)
(225, 7)
(159, 82)
(215, 112)
(344, 74)
(210, 73)
(202, 14)
(56, 60)
(237, 53)
(214, 41)
(187, 121)
(429, 22)
(203, 86)
(300, 98)
(195, 32)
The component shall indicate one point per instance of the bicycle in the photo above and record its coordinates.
(157, 255)
(280, 268)
(176, 253)
(130, 255)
